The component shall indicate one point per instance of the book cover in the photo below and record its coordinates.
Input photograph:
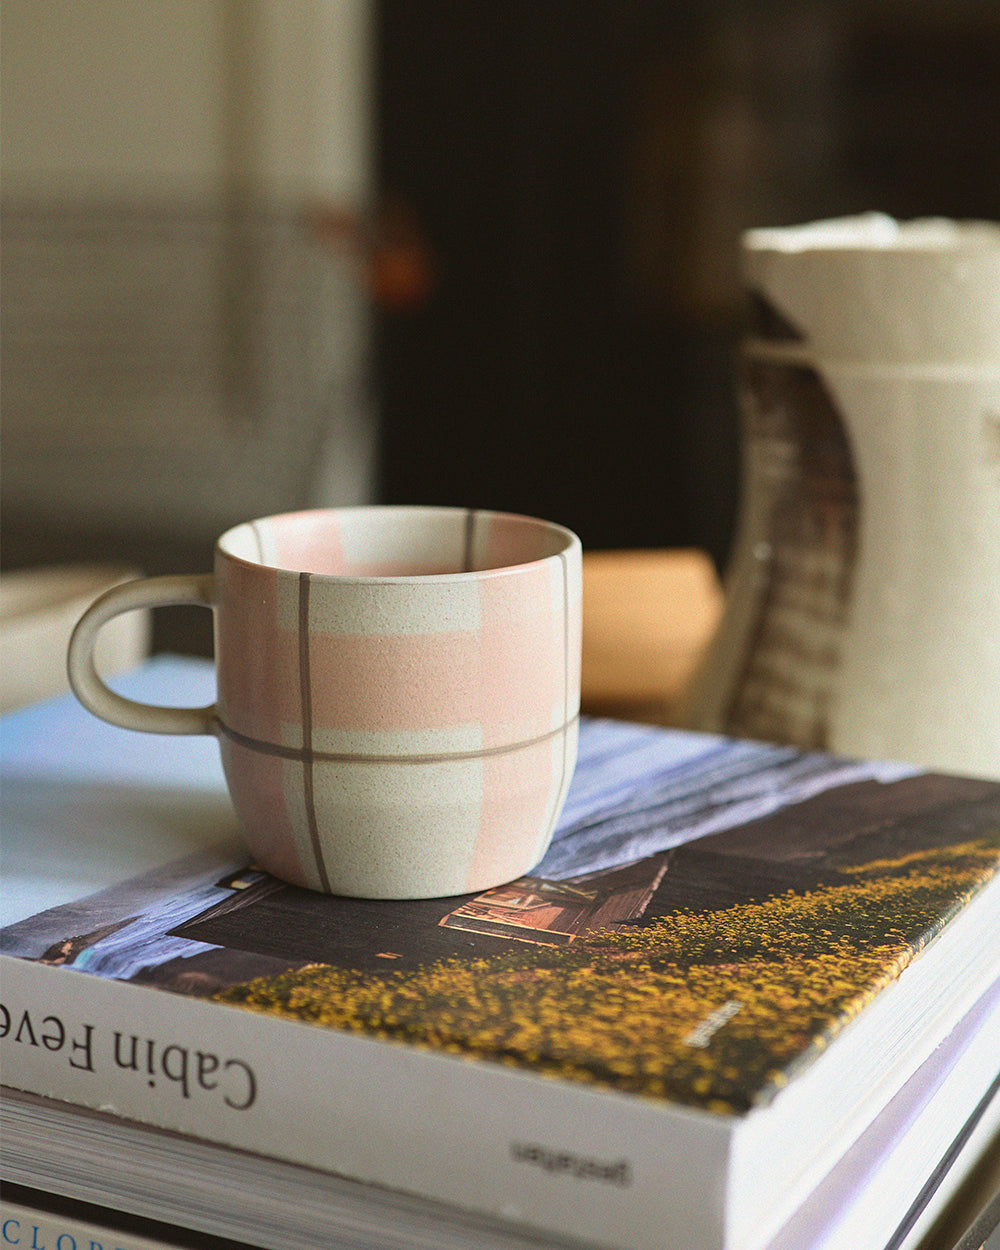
(37, 1228)
(923, 1161)
(729, 948)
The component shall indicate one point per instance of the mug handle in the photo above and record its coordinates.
(96, 697)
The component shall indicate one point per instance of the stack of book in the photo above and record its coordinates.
(749, 1000)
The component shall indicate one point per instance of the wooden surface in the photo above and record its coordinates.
(647, 617)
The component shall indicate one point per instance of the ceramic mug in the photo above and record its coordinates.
(398, 692)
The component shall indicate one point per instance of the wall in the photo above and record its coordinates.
(180, 348)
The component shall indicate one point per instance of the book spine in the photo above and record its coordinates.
(562, 1158)
(28, 1228)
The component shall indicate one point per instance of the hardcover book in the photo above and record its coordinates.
(732, 958)
(920, 1175)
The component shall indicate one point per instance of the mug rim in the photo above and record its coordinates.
(570, 541)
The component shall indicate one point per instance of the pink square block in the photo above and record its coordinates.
(257, 660)
(382, 683)
(259, 783)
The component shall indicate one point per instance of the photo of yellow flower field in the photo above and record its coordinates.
(711, 913)
(710, 1007)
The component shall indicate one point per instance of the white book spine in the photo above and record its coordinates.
(618, 1170)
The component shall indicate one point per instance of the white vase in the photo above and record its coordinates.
(863, 598)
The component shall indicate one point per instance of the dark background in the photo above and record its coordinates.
(577, 175)
(560, 191)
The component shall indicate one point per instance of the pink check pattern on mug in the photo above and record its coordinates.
(398, 693)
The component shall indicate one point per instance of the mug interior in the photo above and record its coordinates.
(395, 541)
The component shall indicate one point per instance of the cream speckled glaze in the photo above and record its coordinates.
(398, 692)
(863, 604)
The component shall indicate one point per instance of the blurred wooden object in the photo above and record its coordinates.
(647, 618)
